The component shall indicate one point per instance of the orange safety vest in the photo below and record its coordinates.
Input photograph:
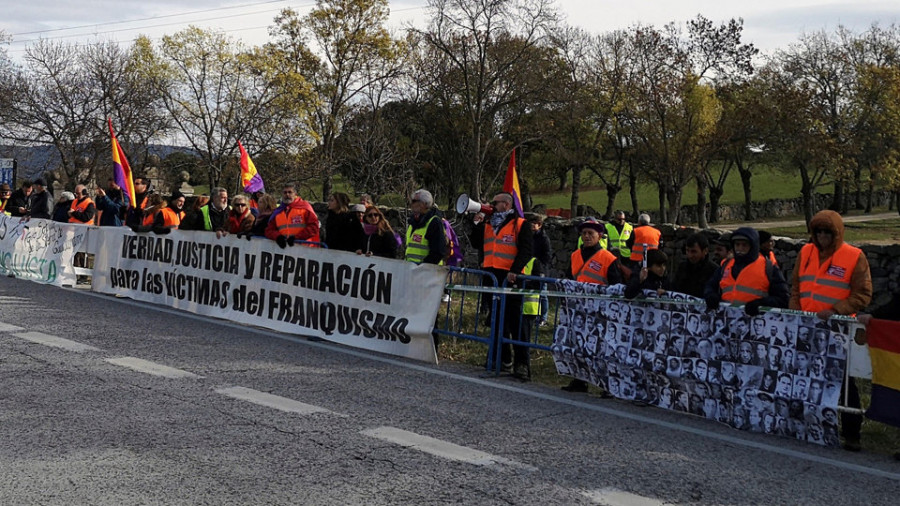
(291, 222)
(772, 258)
(80, 207)
(751, 284)
(172, 219)
(646, 238)
(500, 249)
(822, 286)
(595, 269)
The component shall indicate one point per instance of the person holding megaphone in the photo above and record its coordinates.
(506, 243)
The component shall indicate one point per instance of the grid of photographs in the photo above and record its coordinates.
(776, 373)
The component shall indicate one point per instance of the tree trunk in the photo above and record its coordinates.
(674, 197)
(576, 188)
(612, 190)
(806, 190)
(870, 196)
(327, 185)
(748, 195)
(701, 202)
(663, 215)
(715, 196)
(632, 188)
(838, 198)
(563, 176)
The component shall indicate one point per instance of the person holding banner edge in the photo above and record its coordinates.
(592, 264)
(831, 278)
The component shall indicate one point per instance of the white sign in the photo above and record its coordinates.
(377, 304)
(39, 250)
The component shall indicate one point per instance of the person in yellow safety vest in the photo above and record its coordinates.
(618, 232)
(831, 278)
(747, 279)
(507, 244)
(592, 264)
(425, 240)
(5, 192)
(644, 237)
(82, 209)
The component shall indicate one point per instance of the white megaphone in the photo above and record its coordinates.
(466, 205)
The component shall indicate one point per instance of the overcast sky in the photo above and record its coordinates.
(769, 24)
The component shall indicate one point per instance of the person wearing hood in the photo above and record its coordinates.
(293, 220)
(748, 278)
(831, 278)
(61, 209)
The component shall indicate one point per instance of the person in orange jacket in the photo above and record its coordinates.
(831, 278)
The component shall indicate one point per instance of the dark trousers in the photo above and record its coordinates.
(851, 423)
(516, 327)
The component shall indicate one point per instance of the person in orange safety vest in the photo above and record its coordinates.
(748, 278)
(831, 278)
(294, 219)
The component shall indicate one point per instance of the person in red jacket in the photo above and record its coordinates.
(294, 220)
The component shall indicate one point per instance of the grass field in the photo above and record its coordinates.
(881, 231)
(767, 183)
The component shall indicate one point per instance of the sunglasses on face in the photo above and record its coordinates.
(818, 231)
(240, 205)
(415, 200)
(372, 216)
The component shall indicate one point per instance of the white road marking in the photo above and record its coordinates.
(590, 405)
(10, 298)
(440, 448)
(55, 342)
(614, 497)
(272, 401)
(149, 367)
(5, 327)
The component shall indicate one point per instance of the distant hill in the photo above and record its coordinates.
(34, 160)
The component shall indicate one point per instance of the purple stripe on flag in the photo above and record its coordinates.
(119, 176)
(517, 202)
(255, 184)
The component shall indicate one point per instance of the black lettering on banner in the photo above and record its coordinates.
(249, 264)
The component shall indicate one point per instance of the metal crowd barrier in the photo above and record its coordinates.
(470, 308)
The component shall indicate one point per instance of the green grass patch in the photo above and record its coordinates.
(854, 232)
(767, 183)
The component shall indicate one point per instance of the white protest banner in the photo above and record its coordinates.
(776, 373)
(39, 250)
(373, 303)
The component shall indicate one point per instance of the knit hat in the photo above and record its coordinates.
(358, 208)
(40, 182)
(67, 196)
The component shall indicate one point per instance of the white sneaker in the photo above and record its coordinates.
(446, 298)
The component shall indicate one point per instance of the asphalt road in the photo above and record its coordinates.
(108, 401)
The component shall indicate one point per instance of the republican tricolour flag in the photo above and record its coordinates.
(511, 184)
(884, 351)
(121, 169)
(250, 178)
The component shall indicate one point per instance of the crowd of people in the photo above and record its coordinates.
(829, 278)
